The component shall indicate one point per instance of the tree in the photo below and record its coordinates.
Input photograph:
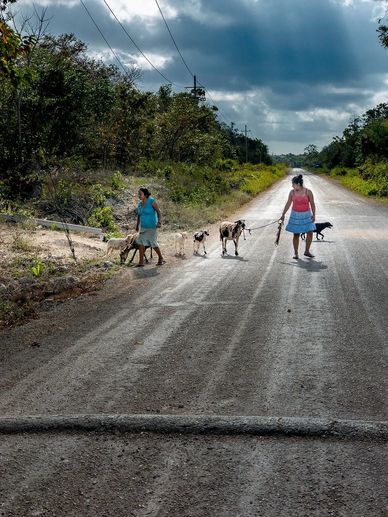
(12, 48)
(310, 155)
(4, 4)
(382, 29)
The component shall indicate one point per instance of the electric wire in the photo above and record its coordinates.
(104, 38)
(219, 112)
(138, 48)
(173, 39)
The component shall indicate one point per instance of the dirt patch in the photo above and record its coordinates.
(36, 265)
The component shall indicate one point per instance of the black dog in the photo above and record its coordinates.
(318, 230)
(134, 246)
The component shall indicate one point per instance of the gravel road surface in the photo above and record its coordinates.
(260, 334)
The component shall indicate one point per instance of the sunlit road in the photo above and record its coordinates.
(259, 334)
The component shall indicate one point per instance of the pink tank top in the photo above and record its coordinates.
(300, 203)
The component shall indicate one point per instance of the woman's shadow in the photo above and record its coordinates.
(313, 266)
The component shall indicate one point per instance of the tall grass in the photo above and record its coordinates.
(370, 179)
(192, 196)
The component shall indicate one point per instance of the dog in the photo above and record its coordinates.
(132, 246)
(118, 244)
(319, 227)
(198, 239)
(179, 243)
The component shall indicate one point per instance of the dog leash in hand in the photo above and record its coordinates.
(278, 232)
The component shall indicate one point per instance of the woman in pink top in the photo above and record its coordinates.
(302, 214)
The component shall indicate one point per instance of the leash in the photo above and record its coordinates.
(278, 232)
(263, 226)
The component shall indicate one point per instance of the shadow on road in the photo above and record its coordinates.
(233, 257)
(145, 272)
(313, 266)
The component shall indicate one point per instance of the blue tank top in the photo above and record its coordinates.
(147, 214)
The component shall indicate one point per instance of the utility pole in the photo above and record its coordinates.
(198, 93)
(232, 124)
(246, 143)
(195, 87)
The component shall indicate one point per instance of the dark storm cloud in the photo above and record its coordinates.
(301, 56)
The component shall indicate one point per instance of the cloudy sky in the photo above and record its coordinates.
(295, 71)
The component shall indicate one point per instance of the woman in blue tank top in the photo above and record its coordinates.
(148, 220)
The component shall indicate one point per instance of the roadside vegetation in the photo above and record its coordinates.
(358, 159)
(77, 139)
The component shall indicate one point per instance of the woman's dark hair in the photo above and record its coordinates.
(145, 191)
(298, 180)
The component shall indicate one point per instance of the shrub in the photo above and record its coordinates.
(102, 217)
(37, 268)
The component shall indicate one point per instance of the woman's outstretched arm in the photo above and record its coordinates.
(287, 206)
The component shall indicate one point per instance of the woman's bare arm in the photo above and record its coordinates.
(156, 208)
(287, 205)
(312, 203)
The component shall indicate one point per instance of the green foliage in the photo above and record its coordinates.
(370, 179)
(102, 217)
(365, 138)
(77, 115)
(117, 181)
(200, 186)
(13, 48)
(37, 268)
(258, 178)
(99, 194)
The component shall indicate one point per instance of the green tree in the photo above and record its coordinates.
(187, 132)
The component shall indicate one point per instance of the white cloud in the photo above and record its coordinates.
(158, 61)
(323, 114)
(146, 9)
(47, 3)
(227, 96)
(132, 59)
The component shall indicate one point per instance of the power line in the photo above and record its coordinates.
(223, 116)
(137, 47)
(104, 38)
(173, 39)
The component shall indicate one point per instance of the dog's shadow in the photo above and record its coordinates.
(234, 257)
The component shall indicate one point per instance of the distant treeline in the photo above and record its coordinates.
(66, 108)
(360, 154)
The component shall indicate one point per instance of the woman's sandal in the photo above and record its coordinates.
(160, 262)
(295, 257)
(139, 265)
(309, 255)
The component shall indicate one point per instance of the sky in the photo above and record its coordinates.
(296, 72)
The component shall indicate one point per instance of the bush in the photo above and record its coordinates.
(370, 179)
(102, 217)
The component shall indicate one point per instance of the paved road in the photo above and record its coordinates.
(260, 334)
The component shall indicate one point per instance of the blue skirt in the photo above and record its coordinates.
(300, 222)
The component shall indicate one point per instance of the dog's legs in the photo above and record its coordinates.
(123, 255)
(133, 256)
